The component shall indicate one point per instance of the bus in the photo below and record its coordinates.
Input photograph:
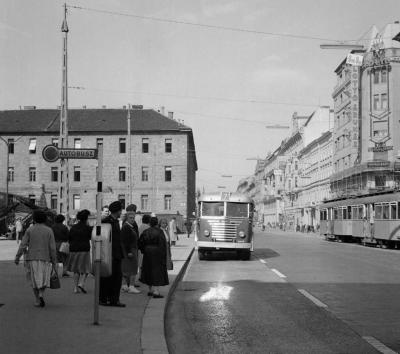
(224, 222)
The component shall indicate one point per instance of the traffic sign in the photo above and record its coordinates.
(52, 153)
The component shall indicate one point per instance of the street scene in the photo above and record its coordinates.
(200, 176)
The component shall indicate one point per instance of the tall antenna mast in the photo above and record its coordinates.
(63, 184)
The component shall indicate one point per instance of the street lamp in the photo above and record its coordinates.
(8, 143)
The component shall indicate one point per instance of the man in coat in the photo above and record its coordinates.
(110, 287)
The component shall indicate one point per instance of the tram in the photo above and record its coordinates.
(224, 222)
(371, 219)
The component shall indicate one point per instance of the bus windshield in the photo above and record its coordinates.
(212, 208)
(237, 210)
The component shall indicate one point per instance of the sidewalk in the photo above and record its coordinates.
(65, 324)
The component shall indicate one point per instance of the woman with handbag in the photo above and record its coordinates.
(79, 238)
(39, 249)
(61, 236)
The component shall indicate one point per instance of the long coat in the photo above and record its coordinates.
(129, 237)
(153, 245)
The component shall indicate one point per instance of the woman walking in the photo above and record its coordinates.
(39, 249)
(164, 227)
(153, 245)
(61, 235)
(79, 248)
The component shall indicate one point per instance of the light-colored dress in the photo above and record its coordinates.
(173, 231)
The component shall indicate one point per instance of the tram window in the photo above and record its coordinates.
(335, 214)
(398, 210)
(344, 213)
(385, 211)
(354, 212)
(361, 212)
(378, 211)
(349, 212)
(212, 209)
(237, 209)
(393, 210)
(321, 215)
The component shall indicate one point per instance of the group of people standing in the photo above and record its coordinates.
(138, 253)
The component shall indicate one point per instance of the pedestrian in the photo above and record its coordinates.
(18, 230)
(173, 231)
(122, 218)
(153, 245)
(164, 227)
(61, 235)
(79, 238)
(110, 286)
(39, 249)
(104, 212)
(144, 225)
(188, 225)
(129, 264)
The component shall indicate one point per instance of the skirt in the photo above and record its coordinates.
(79, 262)
(38, 273)
(129, 266)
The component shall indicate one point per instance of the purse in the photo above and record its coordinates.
(54, 279)
(64, 247)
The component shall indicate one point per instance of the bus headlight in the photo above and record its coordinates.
(206, 233)
(242, 234)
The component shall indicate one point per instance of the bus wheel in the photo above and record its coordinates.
(201, 255)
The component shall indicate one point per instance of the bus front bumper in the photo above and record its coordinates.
(222, 245)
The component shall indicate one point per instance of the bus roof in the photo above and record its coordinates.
(225, 197)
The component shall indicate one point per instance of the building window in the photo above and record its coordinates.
(380, 129)
(295, 182)
(168, 145)
(121, 198)
(122, 174)
(145, 145)
(122, 145)
(376, 102)
(383, 76)
(99, 142)
(144, 202)
(53, 201)
(11, 174)
(54, 174)
(384, 101)
(77, 173)
(145, 173)
(32, 199)
(10, 146)
(168, 174)
(32, 146)
(167, 202)
(380, 181)
(77, 143)
(54, 141)
(32, 174)
(77, 201)
(376, 77)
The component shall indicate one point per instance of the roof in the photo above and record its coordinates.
(379, 198)
(86, 120)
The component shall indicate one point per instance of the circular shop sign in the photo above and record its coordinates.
(50, 153)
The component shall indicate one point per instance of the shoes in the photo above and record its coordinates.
(133, 290)
(124, 288)
(65, 275)
(41, 302)
(104, 303)
(76, 290)
(82, 289)
(37, 303)
(157, 296)
(150, 293)
(136, 285)
(117, 304)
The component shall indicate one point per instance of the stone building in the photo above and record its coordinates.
(163, 175)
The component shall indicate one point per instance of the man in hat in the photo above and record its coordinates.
(110, 286)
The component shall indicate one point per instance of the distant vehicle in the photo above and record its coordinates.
(225, 222)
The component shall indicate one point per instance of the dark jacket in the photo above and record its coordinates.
(117, 252)
(60, 232)
(79, 237)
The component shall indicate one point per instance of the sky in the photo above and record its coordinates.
(227, 85)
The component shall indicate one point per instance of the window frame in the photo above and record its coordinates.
(168, 173)
(122, 145)
(122, 174)
(145, 146)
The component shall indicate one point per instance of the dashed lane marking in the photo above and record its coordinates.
(263, 261)
(312, 298)
(379, 346)
(278, 273)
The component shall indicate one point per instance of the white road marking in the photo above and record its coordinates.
(379, 346)
(312, 298)
(263, 261)
(278, 273)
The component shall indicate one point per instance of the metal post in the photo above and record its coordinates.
(98, 242)
(129, 154)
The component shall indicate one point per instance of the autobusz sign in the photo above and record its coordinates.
(52, 153)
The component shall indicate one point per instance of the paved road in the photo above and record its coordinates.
(298, 294)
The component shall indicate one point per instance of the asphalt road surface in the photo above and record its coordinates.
(297, 294)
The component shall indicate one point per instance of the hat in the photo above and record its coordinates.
(115, 206)
(131, 207)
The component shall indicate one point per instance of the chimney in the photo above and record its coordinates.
(84, 107)
(104, 106)
(123, 107)
(29, 108)
(171, 115)
(163, 110)
(137, 106)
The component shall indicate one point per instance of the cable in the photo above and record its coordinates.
(195, 24)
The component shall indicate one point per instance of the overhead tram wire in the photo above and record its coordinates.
(203, 25)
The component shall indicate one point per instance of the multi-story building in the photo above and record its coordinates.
(366, 139)
(162, 149)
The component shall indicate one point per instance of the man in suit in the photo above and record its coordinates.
(110, 287)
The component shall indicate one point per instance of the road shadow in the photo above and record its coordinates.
(265, 253)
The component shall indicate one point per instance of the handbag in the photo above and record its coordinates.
(64, 247)
(54, 279)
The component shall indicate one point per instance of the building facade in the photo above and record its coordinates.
(162, 178)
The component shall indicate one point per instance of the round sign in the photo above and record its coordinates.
(50, 153)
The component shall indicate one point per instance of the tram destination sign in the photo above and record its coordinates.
(52, 153)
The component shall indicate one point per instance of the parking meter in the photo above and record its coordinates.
(102, 247)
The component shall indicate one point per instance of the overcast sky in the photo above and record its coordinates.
(226, 85)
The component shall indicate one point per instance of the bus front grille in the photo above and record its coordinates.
(224, 229)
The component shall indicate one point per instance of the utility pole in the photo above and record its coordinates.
(63, 183)
(129, 154)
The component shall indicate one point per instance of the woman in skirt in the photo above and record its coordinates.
(39, 249)
(79, 250)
